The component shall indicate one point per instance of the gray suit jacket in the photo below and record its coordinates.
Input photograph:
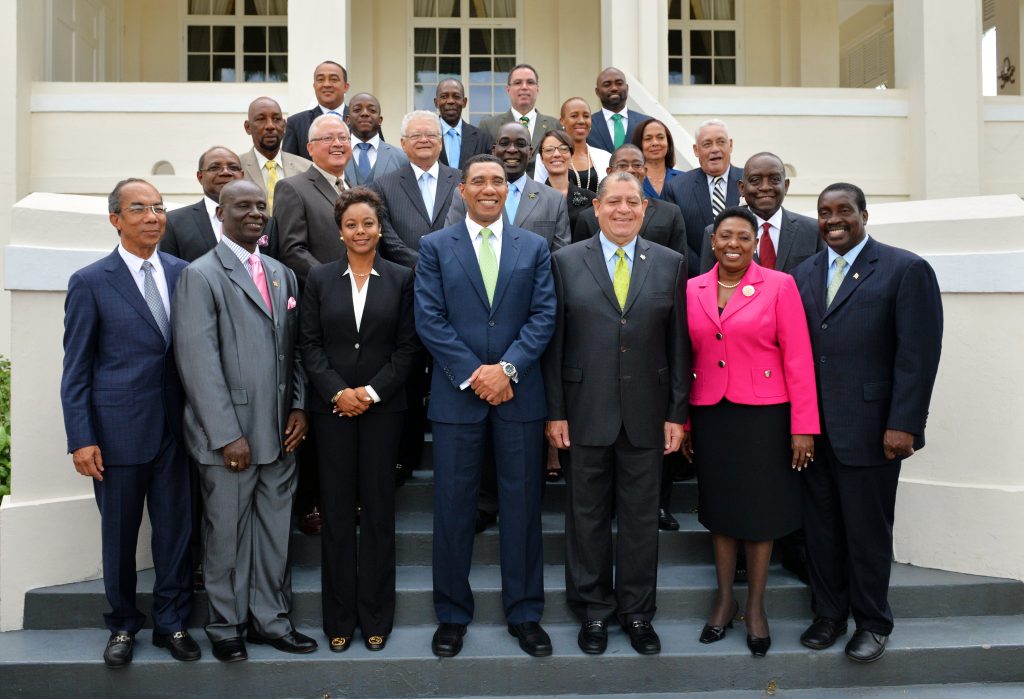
(304, 213)
(388, 160)
(405, 218)
(290, 165)
(541, 210)
(798, 240)
(544, 124)
(238, 361)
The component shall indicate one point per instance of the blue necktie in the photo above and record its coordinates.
(363, 160)
(512, 203)
(452, 147)
(428, 196)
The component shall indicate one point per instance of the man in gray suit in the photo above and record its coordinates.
(265, 163)
(522, 86)
(372, 157)
(235, 326)
(791, 238)
(192, 230)
(617, 377)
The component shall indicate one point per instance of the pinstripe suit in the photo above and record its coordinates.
(406, 219)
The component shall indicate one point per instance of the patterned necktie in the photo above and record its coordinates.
(153, 300)
(717, 197)
(525, 121)
(452, 147)
(259, 277)
(271, 168)
(837, 281)
(766, 251)
(428, 196)
(620, 280)
(619, 134)
(363, 161)
(512, 203)
(488, 263)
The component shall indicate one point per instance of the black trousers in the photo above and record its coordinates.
(848, 517)
(357, 465)
(417, 388)
(623, 479)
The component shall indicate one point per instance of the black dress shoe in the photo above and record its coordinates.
(643, 637)
(759, 646)
(712, 634)
(230, 650)
(119, 650)
(484, 520)
(310, 523)
(866, 646)
(375, 642)
(666, 522)
(340, 644)
(182, 646)
(533, 639)
(593, 637)
(291, 642)
(822, 633)
(447, 641)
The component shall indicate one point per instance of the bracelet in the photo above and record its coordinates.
(337, 395)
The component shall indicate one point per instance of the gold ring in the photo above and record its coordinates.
(303, 437)
(808, 454)
(234, 463)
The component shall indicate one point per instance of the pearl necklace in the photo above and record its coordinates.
(728, 286)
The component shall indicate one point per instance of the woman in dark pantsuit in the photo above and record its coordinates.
(359, 346)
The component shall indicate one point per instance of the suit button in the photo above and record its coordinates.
(623, 348)
(721, 363)
(356, 345)
(822, 359)
(718, 336)
(623, 321)
(824, 326)
(491, 323)
(280, 387)
(280, 357)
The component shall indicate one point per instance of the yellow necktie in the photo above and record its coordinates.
(620, 280)
(271, 167)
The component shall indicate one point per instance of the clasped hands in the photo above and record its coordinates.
(353, 402)
(490, 383)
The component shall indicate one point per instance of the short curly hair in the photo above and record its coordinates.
(358, 195)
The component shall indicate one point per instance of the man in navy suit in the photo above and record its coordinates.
(123, 408)
(485, 309)
(875, 316)
(330, 83)
(614, 124)
(703, 192)
(460, 140)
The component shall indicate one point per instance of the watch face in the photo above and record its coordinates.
(509, 369)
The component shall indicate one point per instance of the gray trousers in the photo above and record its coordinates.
(246, 529)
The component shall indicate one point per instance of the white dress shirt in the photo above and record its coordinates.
(775, 223)
(608, 114)
(211, 211)
(134, 264)
(358, 304)
(531, 115)
(374, 142)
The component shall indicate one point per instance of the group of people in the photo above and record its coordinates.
(267, 353)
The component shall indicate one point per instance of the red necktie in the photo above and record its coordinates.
(766, 252)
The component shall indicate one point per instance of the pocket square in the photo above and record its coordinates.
(291, 303)
(264, 241)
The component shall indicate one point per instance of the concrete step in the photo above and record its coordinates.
(921, 651)
(686, 591)
(1004, 690)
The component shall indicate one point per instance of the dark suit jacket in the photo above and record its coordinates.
(380, 354)
(304, 215)
(120, 384)
(541, 210)
(296, 133)
(876, 348)
(544, 124)
(600, 137)
(388, 160)
(663, 224)
(798, 239)
(689, 192)
(608, 368)
(463, 331)
(474, 142)
(405, 218)
(189, 234)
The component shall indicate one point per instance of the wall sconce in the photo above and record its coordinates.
(1007, 73)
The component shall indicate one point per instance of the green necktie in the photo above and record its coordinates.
(619, 134)
(525, 121)
(837, 281)
(620, 280)
(488, 263)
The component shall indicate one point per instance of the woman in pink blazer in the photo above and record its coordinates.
(753, 413)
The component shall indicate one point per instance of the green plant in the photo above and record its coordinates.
(5, 427)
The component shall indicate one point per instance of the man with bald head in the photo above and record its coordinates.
(371, 156)
(330, 83)
(460, 140)
(265, 163)
(192, 231)
(614, 125)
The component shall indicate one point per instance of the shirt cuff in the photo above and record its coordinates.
(373, 394)
(464, 385)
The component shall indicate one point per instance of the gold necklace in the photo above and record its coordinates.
(728, 286)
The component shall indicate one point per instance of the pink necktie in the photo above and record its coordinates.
(260, 278)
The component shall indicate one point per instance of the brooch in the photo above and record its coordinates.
(748, 290)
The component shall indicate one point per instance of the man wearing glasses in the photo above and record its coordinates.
(193, 230)
(522, 86)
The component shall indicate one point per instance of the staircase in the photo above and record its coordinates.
(956, 635)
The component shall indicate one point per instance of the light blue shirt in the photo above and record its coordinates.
(608, 249)
(850, 258)
(452, 149)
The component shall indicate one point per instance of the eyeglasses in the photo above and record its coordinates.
(330, 139)
(217, 167)
(432, 136)
(551, 150)
(519, 82)
(139, 209)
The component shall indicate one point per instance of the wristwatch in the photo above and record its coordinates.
(510, 371)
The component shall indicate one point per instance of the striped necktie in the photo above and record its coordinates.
(718, 197)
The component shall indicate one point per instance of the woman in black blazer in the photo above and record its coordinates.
(359, 346)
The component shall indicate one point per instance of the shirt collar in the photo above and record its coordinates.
(134, 262)
(446, 127)
(474, 228)
(608, 114)
(850, 256)
(373, 140)
(608, 248)
(211, 207)
(433, 170)
(775, 221)
(520, 184)
(724, 176)
(238, 251)
(331, 178)
(531, 115)
(340, 110)
(261, 160)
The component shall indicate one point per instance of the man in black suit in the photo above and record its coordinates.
(792, 238)
(460, 140)
(330, 83)
(615, 123)
(617, 376)
(193, 230)
(875, 317)
(703, 192)
(523, 86)
(371, 156)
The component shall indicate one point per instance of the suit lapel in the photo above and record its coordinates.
(171, 273)
(785, 242)
(739, 300)
(462, 247)
(277, 288)
(322, 185)
(701, 195)
(708, 295)
(599, 129)
(240, 276)
(732, 189)
(595, 262)
(251, 168)
(507, 263)
(856, 275)
(447, 181)
(203, 224)
(652, 204)
(641, 265)
(412, 190)
(527, 201)
(120, 277)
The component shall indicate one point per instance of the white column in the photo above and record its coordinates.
(317, 32)
(819, 43)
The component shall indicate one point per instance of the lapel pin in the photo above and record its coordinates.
(748, 290)
(531, 195)
(276, 283)
(856, 275)
(767, 373)
(643, 256)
